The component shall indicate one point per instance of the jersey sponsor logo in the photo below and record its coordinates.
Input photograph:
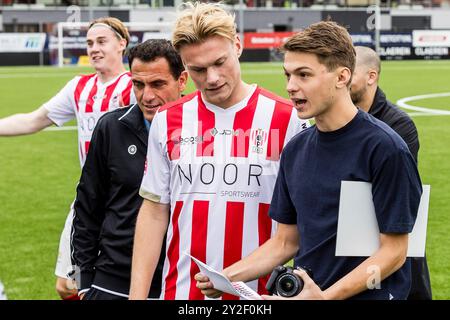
(226, 132)
(230, 174)
(132, 149)
(188, 140)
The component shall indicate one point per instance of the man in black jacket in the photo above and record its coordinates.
(107, 200)
(369, 97)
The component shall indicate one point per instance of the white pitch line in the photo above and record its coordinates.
(423, 114)
(35, 75)
(403, 103)
(66, 128)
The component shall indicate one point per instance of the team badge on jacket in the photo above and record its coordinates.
(132, 149)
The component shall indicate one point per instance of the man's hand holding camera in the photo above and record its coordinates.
(284, 283)
(294, 284)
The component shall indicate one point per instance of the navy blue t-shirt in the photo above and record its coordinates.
(307, 192)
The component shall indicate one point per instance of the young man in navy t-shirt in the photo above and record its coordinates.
(345, 144)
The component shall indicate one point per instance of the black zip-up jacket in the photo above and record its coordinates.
(108, 202)
(397, 119)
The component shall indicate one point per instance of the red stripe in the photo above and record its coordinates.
(206, 122)
(108, 94)
(86, 147)
(242, 126)
(126, 94)
(264, 232)
(173, 255)
(79, 88)
(174, 125)
(90, 100)
(198, 243)
(234, 225)
(278, 127)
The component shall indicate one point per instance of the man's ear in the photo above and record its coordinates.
(344, 77)
(238, 45)
(123, 45)
(372, 77)
(182, 80)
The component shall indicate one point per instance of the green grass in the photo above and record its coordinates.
(38, 173)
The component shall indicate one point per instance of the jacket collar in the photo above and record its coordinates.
(379, 101)
(134, 120)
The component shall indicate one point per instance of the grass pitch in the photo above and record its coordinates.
(38, 173)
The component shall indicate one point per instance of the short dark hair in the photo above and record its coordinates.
(153, 49)
(330, 42)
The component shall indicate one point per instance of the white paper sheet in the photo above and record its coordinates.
(358, 233)
(222, 283)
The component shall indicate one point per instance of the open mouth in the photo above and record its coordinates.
(299, 103)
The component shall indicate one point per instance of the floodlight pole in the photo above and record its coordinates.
(241, 20)
(377, 26)
(60, 45)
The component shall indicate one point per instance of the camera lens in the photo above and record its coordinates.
(289, 285)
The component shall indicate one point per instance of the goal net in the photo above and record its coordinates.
(67, 46)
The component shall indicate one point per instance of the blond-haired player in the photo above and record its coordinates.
(212, 162)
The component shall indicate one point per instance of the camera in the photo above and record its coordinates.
(284, 282)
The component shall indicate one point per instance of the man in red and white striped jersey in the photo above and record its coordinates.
(86, 98)
(212, 162)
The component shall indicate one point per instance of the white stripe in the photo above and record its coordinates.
(189, 128)
(161, 119)
(216, 233)
(72, 229)
(403, 103)
(250, 233)
(99, 95)
(184, 262)
(262, 120)
(129, 110)
(110, 291)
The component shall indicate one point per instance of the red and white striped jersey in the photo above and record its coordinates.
(87, 99)
(217, 169)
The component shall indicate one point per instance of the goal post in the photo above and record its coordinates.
(139, 32)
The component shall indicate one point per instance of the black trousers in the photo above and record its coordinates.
(420, 276)
(95, 294)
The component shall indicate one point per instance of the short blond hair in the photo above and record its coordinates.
(199, 21)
